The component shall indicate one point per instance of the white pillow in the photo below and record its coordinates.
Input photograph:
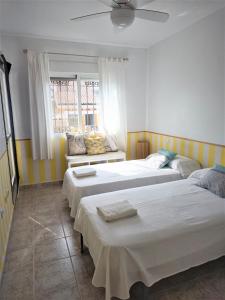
(213, 181)
(156, 161)
(199, 174)
(110, 143)
(184, 165)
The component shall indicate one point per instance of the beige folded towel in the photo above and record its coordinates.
(83, 172)
(116, 211)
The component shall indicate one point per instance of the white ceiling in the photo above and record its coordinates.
(51, 19)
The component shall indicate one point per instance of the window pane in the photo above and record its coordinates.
(64, 97)
(90, 103)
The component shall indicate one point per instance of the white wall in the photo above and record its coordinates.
(136, 75)
(186, 95)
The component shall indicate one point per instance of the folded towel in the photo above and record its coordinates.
(116, 211)
(83, 172)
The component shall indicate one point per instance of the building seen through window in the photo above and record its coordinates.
(75, 103)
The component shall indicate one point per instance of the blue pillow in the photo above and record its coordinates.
(219, 168)
(169, 154)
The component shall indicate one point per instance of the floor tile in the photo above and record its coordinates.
(18, 285)
(73, 244)
(45, 206)
(20, 239)
(24, 205)
(25, 198)
(48, 232)
(45, 201)
(47, 218)
(22, 212)
(68, 225)
(18, 259)
(38, 248)
(214, 283)
(63, 203)
(193, 289)
(87, 290)
(22, 224)
(89, 264)
(50, 250)
(55, 279)
(59, 293)
(68, 229)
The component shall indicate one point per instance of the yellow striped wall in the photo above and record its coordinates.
(40, 171)
(32, 172)
(207, 154)
(7, 205)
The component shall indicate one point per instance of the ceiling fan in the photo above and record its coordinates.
(124, 12)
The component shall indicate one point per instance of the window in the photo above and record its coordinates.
(75, 103)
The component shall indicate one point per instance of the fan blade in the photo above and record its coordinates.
(91, 16)
(137, 3)
(110, 3)
(151, 15)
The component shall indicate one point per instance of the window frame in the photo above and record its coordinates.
(77, 77)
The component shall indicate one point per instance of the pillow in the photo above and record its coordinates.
(214, 182)
(76, 144)
(184, 165)
(95, 145)
(110, 143)
(156, 161)
(219, 168)
(198, 174)
(169, 154)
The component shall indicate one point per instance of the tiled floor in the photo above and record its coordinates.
(44, 260)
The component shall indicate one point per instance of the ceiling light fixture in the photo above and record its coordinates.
(124, 12)
(122, 17)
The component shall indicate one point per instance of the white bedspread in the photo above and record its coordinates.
(113, 177)
(178, 226)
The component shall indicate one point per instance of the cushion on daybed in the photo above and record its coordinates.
(75, 144)
(110, 143)
(95, 145)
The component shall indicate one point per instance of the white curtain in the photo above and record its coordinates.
(40, 105)
(113, 98)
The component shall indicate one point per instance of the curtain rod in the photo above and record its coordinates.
(73, 54)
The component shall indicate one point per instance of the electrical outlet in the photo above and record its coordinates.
(2, 212)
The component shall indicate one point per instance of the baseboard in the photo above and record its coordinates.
(40, 185)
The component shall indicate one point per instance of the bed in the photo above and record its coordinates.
(179, 225)
(112, 177)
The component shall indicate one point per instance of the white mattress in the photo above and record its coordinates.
(178, 226)
(113, 177)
